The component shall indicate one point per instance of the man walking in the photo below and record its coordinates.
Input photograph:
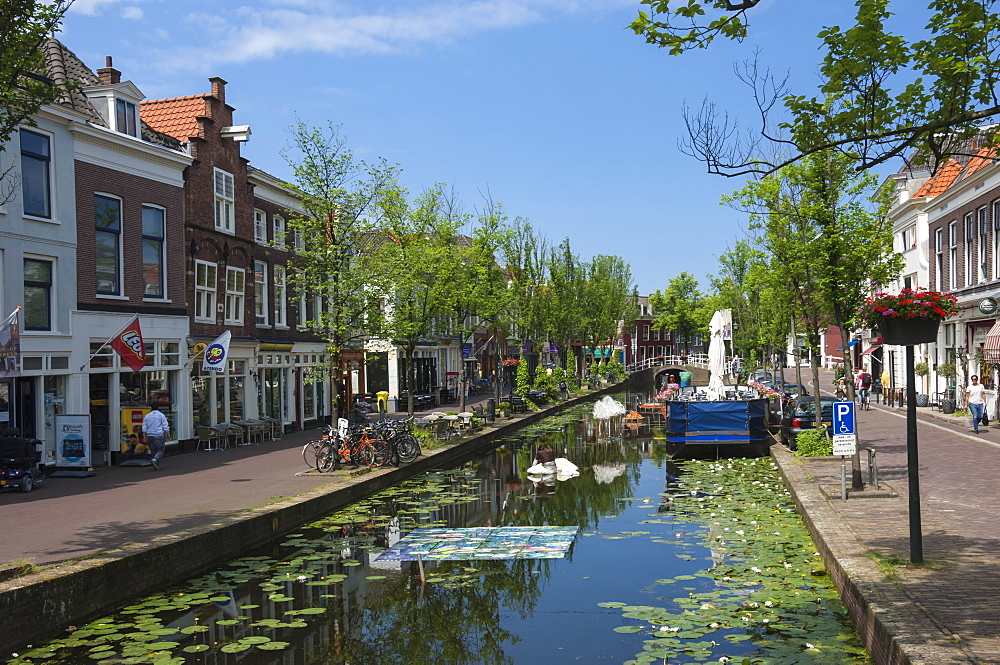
(157, 429)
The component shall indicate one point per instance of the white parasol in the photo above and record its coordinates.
(716, 358)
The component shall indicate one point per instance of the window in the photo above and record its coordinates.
(645, 333)
(259, 226)
(260, 303)
(996, 239)
(970, 260)
(953, 255)
(152, 251)
(235, 292)
(205, 286)
(300, 241)
(36, 161)
(279, 231)
(280, 302)
(656, 334)
(224, 216)
(107, 244)
(125, 117)
(939, 259)
(909, 238)
(983, 227)
(302, 315)
(37, 294)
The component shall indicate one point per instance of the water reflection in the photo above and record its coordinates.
(318, 596)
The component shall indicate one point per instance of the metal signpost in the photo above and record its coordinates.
(845, 439)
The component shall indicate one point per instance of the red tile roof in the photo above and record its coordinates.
(983, 158)
(941, 180)
(177, 116)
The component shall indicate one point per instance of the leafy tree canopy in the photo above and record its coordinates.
(882, 95)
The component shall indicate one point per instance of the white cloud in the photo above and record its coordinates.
(132, 13)
(94, 7)
(255, 32)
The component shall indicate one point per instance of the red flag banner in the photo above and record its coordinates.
(129, 346)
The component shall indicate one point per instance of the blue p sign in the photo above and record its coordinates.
(843, 418)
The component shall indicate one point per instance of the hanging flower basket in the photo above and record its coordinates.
(910, 317)
(904, 332)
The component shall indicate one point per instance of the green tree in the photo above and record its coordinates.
(881, 95)
(677, 308)
(608, 299)
(27, 85)
(343, 199)
(825, 231)
(415, 265)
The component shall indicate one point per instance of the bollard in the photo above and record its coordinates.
(491, 410)
(872, 469)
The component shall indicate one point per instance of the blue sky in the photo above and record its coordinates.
(552, 106)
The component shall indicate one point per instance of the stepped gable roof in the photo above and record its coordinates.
(65, 67)
(941, 180)
(176, 116)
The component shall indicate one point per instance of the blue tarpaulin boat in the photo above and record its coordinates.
(717, 422)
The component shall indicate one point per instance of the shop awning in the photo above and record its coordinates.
(991, 348)
(871, 348)
(850, 344)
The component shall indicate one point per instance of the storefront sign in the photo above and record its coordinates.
(73, 440)
(988, 306)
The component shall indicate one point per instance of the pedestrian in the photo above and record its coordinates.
(975, 401)
(157, 429)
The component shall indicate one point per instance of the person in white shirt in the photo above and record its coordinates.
(157, 429)
(975, 401)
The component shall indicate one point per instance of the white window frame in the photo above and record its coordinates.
(298, 240)
(131, 117)
(225, 199)
(51, 293)
(205, 291)
(49, 160)
(982, 231)
(280, 297)
(996, 239)
(261, 305)
(163, 252)
(953, 254)
(119, 249)
(939, 259)
(259, 226)
(236, 286)
(279, 232)
(970, 231)
(300, 323)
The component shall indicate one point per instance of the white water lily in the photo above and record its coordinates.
(713, 625)
(768, 603)
(756, 569)
(788, 565)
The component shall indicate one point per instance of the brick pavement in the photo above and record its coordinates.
(956, 618)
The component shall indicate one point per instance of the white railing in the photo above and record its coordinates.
(693, 360)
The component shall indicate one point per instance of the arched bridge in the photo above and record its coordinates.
(660, 366)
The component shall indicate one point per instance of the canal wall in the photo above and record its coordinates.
(893, 626)
(33, 608)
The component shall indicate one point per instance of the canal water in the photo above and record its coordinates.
(688, 561)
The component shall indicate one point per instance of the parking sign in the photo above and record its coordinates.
(845, 438)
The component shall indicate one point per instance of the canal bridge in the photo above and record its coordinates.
(659, 367)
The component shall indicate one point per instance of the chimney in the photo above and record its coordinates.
(108, 74)
(218, 88)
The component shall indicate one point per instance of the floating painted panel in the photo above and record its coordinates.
(505, 542)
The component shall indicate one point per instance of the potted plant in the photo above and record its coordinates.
(911, 316)
(922, 370)
(503, 408)
(947, 370)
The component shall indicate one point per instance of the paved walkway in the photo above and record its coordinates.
(944, 612)
(67, 518)
(955, 595)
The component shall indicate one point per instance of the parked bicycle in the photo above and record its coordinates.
(310, 451)
(355, 446)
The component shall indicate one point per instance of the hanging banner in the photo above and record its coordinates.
(727, 324)
(73, 440)
(128, 344)
(215, 354)
(10, 347)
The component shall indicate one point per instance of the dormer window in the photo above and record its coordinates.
(125, 118)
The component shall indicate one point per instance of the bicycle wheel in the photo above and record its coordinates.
(310, 451)
(407, 447)
(326, 458)
(381, 453)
